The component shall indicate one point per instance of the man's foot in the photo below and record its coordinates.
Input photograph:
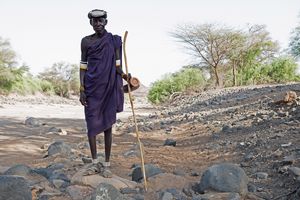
(94, 168)
(106, 171)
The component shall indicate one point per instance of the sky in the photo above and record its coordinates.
(43, 32)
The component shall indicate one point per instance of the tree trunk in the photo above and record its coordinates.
(217, 76)
(234, 74)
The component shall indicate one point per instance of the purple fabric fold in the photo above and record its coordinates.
(103, 86)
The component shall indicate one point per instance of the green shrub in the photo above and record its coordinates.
(7, 79)
(46, 87)
(280, 70)
(62, 89)
(187, 78)
(26, 85)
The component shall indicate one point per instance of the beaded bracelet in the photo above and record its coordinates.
(81, 88)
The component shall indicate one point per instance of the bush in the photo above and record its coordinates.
(7, 79)
(187, 78)
(280, 70)
(46, 87)
(26, 85)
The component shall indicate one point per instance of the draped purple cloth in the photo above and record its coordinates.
(103, 86)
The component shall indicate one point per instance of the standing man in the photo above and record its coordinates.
(101, 84)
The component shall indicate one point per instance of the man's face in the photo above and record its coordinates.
(98, 24)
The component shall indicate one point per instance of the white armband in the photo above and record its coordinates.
(118, 63)
(83, 65)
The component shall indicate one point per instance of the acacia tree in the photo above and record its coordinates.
(208, 43)
(222, 48)
(234, 54)
(250, 48)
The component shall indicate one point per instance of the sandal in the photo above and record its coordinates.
(94, 168)
(106, 173)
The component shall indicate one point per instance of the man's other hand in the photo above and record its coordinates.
(82, 98)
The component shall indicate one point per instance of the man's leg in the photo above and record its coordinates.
(92, 142)
(108, 141)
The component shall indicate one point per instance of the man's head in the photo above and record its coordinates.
(98, 20)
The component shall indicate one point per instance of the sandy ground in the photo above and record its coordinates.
(22, 144)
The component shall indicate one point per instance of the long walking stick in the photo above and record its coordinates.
(134, 118)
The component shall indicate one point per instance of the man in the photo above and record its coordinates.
(101, 89)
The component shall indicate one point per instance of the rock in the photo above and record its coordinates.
(170, 142)
(138, 197)
(179, 172)
(131, 153)
(286, 145)
(83, 145)
(194, 173)
(14, 187)
(176, 194)
(32, 122)
(250, 196)
(218, 196)
(249, 156)
(251, 187)
(166, 196)
(187, 190)
(59, 147)
(277, 153)
(298, 193)
(26, 172)
(106, 191)
(165, 181)
(224, 177)
(94, 180)
(87, 160)
(59, 176)
(49, 170)
(226, 128)
(20, 170)
(128, 191)
(261, 175)
(78, 192)
(63, 132)
(295, 170)
(287, 160)
(59, 183)
(54, 130)
(53, 172)
(150, 170)
(49, 195)
(58, 131)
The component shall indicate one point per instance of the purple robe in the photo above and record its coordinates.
(103, 86)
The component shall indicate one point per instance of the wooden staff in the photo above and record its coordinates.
(134, 118)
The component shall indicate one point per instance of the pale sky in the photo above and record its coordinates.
(43, 32)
